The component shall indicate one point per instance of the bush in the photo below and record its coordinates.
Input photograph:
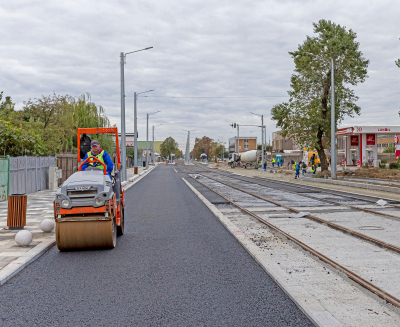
(393, 165)
(382, 165)
(384, 161)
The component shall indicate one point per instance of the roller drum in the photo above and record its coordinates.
(76, 235)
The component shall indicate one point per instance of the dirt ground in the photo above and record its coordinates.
(289, 177)
(373, 173)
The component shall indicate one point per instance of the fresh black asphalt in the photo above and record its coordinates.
(176, 265)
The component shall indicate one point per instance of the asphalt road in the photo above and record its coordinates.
(176, 265)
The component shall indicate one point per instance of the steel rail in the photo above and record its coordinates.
(319, 220)
(369, 286)
(326, 200)
(321, 189)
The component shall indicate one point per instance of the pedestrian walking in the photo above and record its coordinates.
(273, 162)
(297, 166)
(304, 168)
(265, 165)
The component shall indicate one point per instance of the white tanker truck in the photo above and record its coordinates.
(248, 159)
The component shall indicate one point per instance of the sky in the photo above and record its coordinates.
(212, 62)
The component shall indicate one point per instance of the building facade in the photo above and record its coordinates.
(245, 144)
(280, 143)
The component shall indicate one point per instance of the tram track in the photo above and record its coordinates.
(350, 274)
(317, 219)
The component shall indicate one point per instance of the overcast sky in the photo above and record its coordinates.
(201, 48)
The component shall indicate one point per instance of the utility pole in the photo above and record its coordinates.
(237, 125)
(333, 122)
(135, 152)
(153, 147)
(188, 148)
(147, 139)
(262, 140)
(123, 133)
(154, 126)
(147, 142)
(223, 149)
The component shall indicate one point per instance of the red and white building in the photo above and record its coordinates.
(361, 142)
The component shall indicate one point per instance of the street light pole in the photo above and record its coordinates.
(262, 136)
(135, 152)
(153, 141)
(135, 129)
(333, 122)
(238, 138)
(123, 131)
(123, 134)
(147, 139)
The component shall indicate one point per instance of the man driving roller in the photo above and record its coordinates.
(100, 154)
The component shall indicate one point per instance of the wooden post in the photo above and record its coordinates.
(16, 215)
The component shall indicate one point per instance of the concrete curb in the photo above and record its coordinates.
(354, 184)
(137, 179)
(304, 300)
(23, 261)
(27, 258)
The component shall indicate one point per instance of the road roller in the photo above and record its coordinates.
(89, 206)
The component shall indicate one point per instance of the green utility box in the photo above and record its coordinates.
(4, 178)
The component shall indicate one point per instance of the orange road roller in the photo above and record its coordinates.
(89, 206)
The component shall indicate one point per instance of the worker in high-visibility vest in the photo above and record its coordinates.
(297, 170)
(273, 162)
(294, 165)
(313, 169)
(101, 155)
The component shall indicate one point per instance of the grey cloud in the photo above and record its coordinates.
(200, 48)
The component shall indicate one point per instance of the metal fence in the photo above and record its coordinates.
(29, 174)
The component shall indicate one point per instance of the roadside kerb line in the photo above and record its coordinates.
(304, 300)
(24, 260)
(27, 258)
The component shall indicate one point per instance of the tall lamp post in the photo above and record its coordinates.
(123, 131)
(135, 164)
(153, 141)
(262, 136)
(147, 138)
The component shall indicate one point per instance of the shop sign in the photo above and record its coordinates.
(354, 140)
(370, 139)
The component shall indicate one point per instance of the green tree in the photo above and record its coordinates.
(17, 141)
(203, 145)
(306, 116)
(50, 117)
(6, 107)
(168, 146)
(86, 114)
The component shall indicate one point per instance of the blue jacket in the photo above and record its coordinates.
(107, 161)
(297, 166)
